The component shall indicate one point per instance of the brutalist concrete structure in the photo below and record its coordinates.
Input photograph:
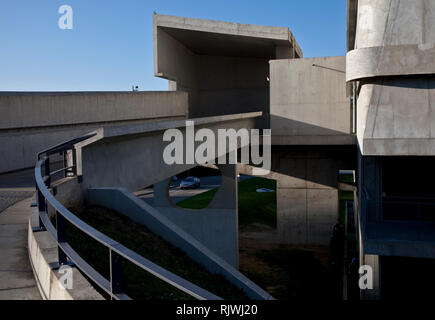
(230, 67)
(369, 111)
(391, 66)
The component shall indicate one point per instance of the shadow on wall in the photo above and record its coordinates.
(286, 126)
(316, 164)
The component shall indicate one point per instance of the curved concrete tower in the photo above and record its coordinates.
(391, 65)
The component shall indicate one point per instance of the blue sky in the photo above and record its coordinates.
(110, 46)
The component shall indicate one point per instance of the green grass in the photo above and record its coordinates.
(253, 206)
(199, 201)
(346, 178)
(139, 283)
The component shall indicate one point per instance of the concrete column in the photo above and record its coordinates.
(216, 226)
(307, 197)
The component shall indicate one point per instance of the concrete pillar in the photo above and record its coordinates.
(216, 226)
(307, 199)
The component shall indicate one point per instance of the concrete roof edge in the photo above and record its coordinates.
(124, 130)
(230, 28)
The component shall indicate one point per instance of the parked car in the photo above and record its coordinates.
(190, 183)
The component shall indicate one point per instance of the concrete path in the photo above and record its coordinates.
(16, 276)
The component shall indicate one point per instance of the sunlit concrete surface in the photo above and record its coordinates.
(17, 281)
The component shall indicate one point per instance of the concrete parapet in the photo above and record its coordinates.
(132, 156)
(390, 61)
(43, 259)
(20, 110)
(31, 122)
(43, 255)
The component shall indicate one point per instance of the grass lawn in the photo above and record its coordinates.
(259, 207)
(139, 283)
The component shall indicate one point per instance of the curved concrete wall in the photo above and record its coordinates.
(394, 61)
(394, 22)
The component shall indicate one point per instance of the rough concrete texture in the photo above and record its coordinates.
(131, 156)
(308, 102)
(390, 61)
(216, 226)
(394, 38)
(391, 22)
(307, 190)
(16, 277)
(385, 124)
(393, 61)
(223, 66)
(30, 110)
(31, 122)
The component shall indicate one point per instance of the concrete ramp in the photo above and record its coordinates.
(121, 200)
(132, 156)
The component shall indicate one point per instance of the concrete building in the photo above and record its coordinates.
(369, 111)
(391, 64)
(229, 68)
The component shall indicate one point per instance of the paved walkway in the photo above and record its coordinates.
(16, 276)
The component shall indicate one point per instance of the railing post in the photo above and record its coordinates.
(42, 206)
(115, 273)
(47, 171)
(65, 163)
(74, 161)
(61, 237)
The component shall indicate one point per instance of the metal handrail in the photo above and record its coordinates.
(114, 285)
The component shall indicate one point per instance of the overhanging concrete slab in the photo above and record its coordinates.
(209, 37)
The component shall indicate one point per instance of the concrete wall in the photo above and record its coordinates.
(307, 193)
(43, 254)
(132, 156)
(308, 102)
(307, 190)
(231, 84)
(31, 122)
(393, 60)
(392, 22)
(215, 226)
(223, 66)
(216, 84)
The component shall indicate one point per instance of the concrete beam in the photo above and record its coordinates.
(131, 156)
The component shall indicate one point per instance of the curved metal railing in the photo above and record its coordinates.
(114, 285)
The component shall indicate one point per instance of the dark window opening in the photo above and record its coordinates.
(408, 188)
